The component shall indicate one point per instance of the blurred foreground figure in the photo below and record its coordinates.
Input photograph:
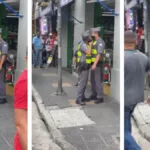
(135, 67)
(21, 113)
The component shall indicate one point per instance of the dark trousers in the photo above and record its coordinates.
(130, 143)
(2, 84)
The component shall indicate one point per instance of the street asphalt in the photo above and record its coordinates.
(93, 126)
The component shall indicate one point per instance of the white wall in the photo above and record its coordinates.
(22, 38)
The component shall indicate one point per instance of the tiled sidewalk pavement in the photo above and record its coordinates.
(7, 129)
(93, 127)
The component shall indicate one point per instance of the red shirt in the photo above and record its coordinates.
(20, 101)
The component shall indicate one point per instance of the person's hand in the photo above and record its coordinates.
(93, 67)
(0, 67)
(91, 43)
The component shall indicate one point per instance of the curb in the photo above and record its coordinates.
(142, 124)
(55, 133)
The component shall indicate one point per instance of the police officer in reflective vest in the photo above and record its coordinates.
(3, 54)
(84, 63)
(97, 66)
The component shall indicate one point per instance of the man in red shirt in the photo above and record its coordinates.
(21, 113)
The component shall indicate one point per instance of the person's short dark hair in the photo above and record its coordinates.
(129, 37)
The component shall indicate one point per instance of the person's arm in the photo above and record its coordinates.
(98, 57)
(20, 109)
(148, 66)
(85, 49)
(4, 54)
(2, 61)
(21, 126)
(96, 61)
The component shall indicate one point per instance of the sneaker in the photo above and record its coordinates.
(3, 101)
(99, 100)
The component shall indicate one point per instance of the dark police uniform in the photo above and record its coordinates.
(97, 74)
(84, 63)
(3, 51)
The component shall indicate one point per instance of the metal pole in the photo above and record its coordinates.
(145, 25)
(60, 90)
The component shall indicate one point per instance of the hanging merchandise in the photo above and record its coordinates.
(44, 25)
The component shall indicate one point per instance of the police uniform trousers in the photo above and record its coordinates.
(2, 84)
(83, 80)
(97, 81)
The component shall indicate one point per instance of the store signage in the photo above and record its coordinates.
(132, 3)
(44, 25)
(44, 4)
(65, 2)
(47, 10)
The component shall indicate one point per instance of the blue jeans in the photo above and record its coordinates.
(130, 143)
(38, 58)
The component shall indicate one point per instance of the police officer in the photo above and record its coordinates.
(3, 54)
(97, 66)
(84, 63)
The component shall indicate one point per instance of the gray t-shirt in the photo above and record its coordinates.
(136, 64)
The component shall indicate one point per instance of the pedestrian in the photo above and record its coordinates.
(49, 45)
(20, 111)
(136, 64)
(3, 55)
(84, 62)
(37, 49)
(97, 66)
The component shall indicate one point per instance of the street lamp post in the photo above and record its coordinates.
(60, 90)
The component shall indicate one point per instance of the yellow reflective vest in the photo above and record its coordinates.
(80, 54)
(94, 53)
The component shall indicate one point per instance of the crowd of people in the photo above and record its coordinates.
(44, 47)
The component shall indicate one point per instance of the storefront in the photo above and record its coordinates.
(9, 25)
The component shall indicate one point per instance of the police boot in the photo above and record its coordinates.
(99, 100)
(3, 101)
(80, 102)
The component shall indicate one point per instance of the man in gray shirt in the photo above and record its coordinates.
(136, 64)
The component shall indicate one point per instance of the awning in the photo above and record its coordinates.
(131, 3)
(48, 9)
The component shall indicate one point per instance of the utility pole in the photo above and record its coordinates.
(60, 90)
(145, 14)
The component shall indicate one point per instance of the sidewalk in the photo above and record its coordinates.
(7, 129)
(40, 135)
(92, 127)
